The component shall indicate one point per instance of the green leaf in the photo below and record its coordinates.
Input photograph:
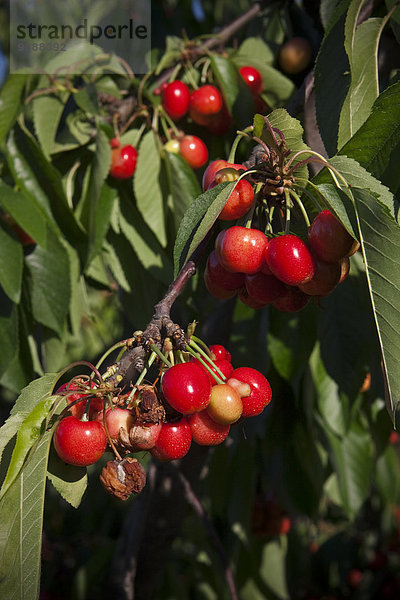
(227, 78)
(332, 409)
(26, 212)
(146, 185)
(27, 436)
(356, 176)
(198, 220)
(291, 339)
(21, 528)
(340, 204)
(8, 333)
(47, 111)
(380, 241)
(87, 100)
(144, 243)
(40, 180)
(254, 48)
(49, 283)
(361, 44)
(11, 264)
(183, 184)
(99, 200)
(352, 458)
(374, 141)
(387, 476)
(347, 332)
(332, 79)
(30, 396)
(70, 481)
(10, 102)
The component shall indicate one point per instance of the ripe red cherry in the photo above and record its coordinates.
(115, 142)
(328, 238)
(123, 162)
(175, 99)
(241, 249)
(206, 431)
(173, 441)
(79, 443)
(220, 123)
(260, 390)
(219, 352)
(326, 277)
(194, 151)
(204, 102)
(292, 300)
(264, 288)
(239, 201)
(289, 259)
(252, 78)
(225, 404)
(220, 282)
(248, 300)
(186, 387)
(78, 409)
(214, 167)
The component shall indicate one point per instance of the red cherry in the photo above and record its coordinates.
(248, 300)
(252, 78)
(225, 404)
(173, 441)
(292, 300)
(215, 274)
(115, 142)
(264, 288)
(204, 102)
(289, 259)
(223, 365)
(239, 201)
(328, 238)
(326, 277)
(354, 578)
(194, 151)
(240, 249)
(123, 162)
(214, 167)
(206, 431)
(78, 409)
(79, 443)
(186, 387)
(219, 352)
(260, 390)
(220, 123)
(175, 99)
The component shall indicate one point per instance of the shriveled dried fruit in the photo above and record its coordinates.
(149, 407)
(123, 478)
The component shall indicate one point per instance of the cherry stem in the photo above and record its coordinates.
(294, 195)
(240, 135)
(287, 215)
(169, 120)
(142, 375)
(160, 355)
(200, 342)
(197, 506)
(120, 344)
(117, 454)
(207, 357)
(311, 196)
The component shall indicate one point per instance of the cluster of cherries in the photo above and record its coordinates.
(201, 399)
(206, 107)
(283, 270)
